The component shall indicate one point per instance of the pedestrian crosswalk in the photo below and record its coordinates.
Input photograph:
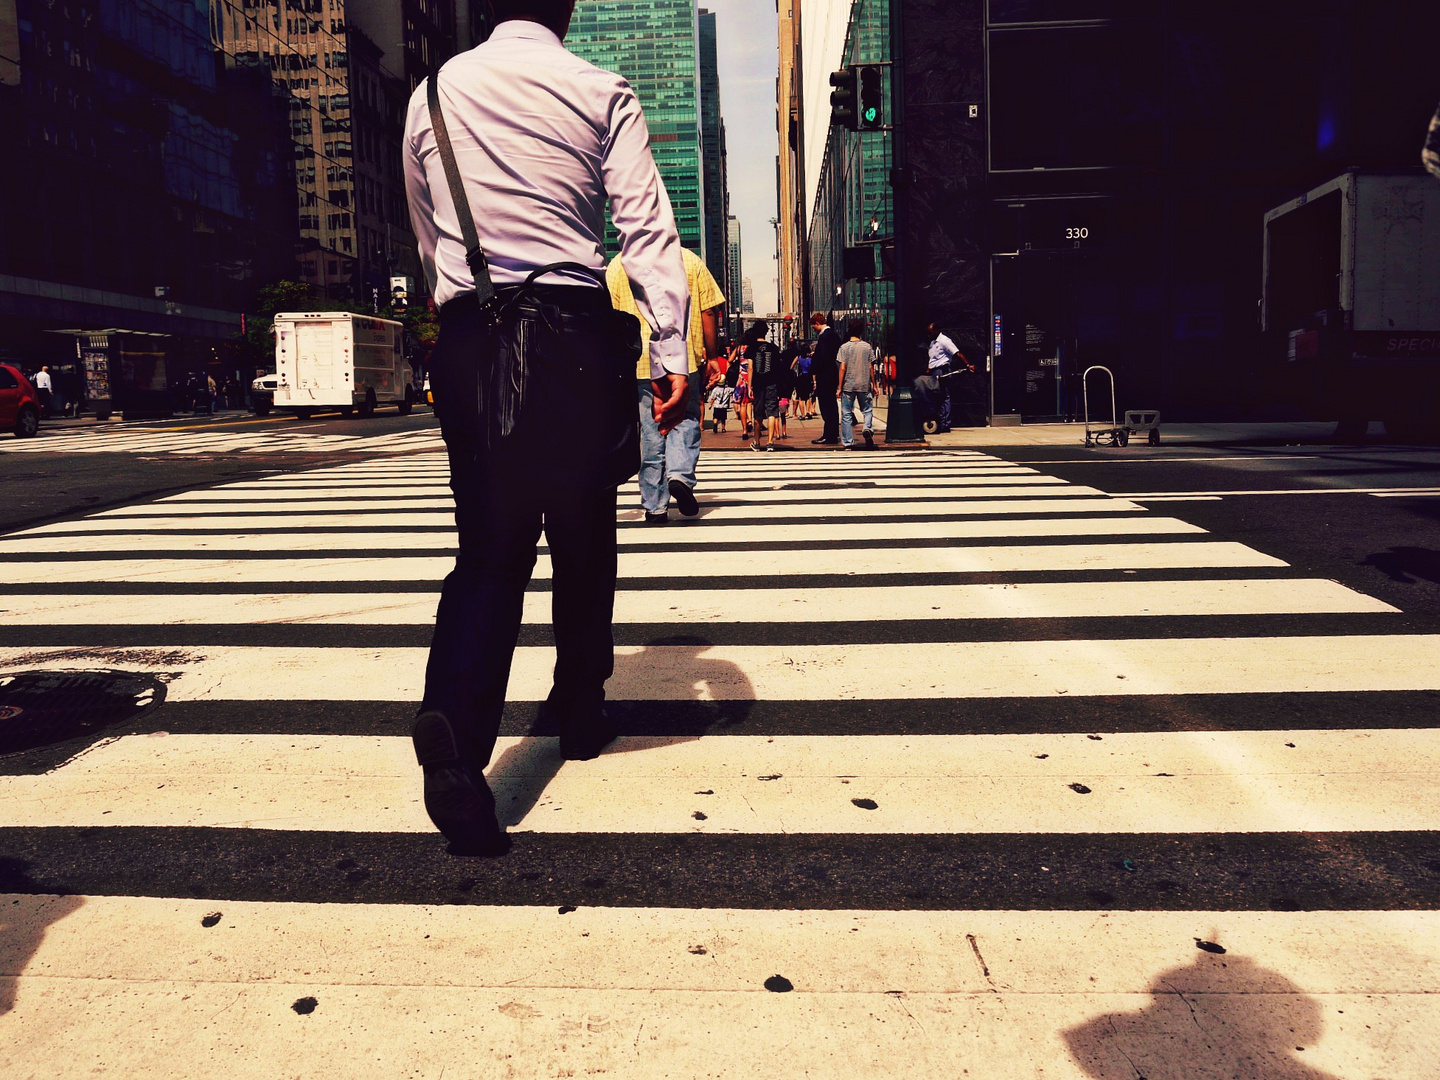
(931, 765)
(261, 439)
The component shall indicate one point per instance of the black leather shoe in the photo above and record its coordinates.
(869, 440)
(822, 441)
(684, 498)
(658, 518)
(458, 801)
(583, 740)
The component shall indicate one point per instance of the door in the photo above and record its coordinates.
(315, 354)
(1046, 304)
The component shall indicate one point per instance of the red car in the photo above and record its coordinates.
(19, 407)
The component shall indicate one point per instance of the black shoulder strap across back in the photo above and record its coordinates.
(474, 253)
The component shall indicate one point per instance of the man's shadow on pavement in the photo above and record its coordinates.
(1406, 564)
(23, 924)
(720, 695)
(1221, 1016)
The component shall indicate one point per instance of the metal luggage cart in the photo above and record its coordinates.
(1118, 433)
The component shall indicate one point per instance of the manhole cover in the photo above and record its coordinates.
(38, 708)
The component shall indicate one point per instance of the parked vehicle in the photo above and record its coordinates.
(1352, 290)
(19, 404)
(335, 359)
(262, 393)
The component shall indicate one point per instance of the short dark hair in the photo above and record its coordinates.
(551, 13)
(856, 328)
(758, 329)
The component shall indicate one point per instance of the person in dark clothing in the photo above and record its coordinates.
(764, 357)
(785, 385)
(826, 373)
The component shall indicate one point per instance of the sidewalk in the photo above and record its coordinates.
(1266, 433)
(1308, 431)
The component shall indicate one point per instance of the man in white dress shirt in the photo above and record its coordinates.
(542, 140)
(44, 389)
(943, 352)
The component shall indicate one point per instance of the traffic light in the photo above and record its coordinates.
(844, 99)
(871, 97)
(858, 263)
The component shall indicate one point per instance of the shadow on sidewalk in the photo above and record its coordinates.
(1221, 1016)
(23, 923)
(519, 776)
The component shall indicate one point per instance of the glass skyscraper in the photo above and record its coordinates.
(712, 131)
(654, 45)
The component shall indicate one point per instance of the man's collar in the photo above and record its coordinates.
(524, 29)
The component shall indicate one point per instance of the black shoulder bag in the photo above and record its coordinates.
(543, 357)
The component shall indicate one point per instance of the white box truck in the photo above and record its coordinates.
(339, 360)
(1352, 297)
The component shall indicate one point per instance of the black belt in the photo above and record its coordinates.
(574, 299)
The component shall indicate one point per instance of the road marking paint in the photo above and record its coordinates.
(677, 565)
(296, 533)
(910, 671)
(1050, 600)
(650, 993)
(1211, 782)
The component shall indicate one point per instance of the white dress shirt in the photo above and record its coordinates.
(42, 380)
(942, 351)
(541, 137)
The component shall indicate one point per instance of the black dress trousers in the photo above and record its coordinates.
(827, 381)
(556, 473)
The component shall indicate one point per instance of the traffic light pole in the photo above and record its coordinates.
(900, 418)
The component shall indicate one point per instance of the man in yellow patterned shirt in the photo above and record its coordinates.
(668, 461)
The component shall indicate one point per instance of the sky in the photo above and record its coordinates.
(747, 44)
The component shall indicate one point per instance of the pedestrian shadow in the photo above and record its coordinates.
(23, 923)
(1406, 564)
(652, 707)
(1221, 1016)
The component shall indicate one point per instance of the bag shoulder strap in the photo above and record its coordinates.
(474, 253)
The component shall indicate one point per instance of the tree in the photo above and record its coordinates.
(256, 347)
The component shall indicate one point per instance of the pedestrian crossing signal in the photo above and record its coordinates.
(871, 96)
(844, 102)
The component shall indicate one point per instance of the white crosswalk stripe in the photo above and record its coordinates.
(124, 439)
(965, 753)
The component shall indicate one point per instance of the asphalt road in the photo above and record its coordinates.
(51, 482)
(829, 706)
(1309, 505)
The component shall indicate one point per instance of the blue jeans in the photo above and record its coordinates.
(667, 457)
(848, 401)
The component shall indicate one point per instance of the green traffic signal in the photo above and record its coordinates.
(871, 91)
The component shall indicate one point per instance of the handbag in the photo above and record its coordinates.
(527, 337)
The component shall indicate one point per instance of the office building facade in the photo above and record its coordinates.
(712, 136)
(1084, 183)
(143, 188)
(791, 271)
(654, 44)
(346, 93)
(733, 283)
(851, 206)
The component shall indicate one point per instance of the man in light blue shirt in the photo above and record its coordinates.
(542, 141)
